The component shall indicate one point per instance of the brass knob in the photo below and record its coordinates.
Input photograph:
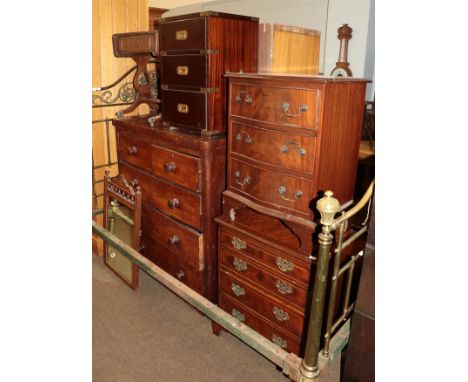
(142, 248)
(132, 150)
(174, 240)
(170, 167)
(180, 274)
(173, 203)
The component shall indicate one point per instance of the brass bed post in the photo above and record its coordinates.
(309, 369)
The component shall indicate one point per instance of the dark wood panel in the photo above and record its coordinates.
(284, 149)
(283, 106)
(176, 167)
(275, 312)
(270, 187)
(187, 70)
(175, 237)
(181, 204)
(281, 286)
(184, 109)
(182, 35)
(134, 150)
(285, 340)
(279, 262)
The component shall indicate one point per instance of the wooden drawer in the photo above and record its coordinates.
(288, 150)
(176, 167)
(172, 263)
(266, 257)
(174, 201)
(184, 109)
(252, 320)
(280, 286)
(177, 238)
(282, 316)
(270, 187)
(134, 151)
(186, 70)
(279, 105)
(183, 34)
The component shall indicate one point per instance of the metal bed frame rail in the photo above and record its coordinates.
(308, 368)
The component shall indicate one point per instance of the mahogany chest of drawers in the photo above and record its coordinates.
(196, 50)
(181, 176)
(289, 139)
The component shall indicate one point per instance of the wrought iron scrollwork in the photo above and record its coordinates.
(126, 94)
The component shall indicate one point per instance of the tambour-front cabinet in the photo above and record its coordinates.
(196, 50)
(289, 139)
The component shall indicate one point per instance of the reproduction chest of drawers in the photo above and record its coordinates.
(196, 50)
(181, 177)
(289, 139)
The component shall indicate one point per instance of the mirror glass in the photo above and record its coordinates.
(120, 223)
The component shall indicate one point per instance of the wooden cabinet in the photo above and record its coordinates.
(289, 139)
(196, 50)
(181, 177)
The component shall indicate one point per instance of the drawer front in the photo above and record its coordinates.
(184, 70)
(183, 34)
(174, 201)
(277, 262)
(134, 151)
(281, 287)
(172, 263)
(293, 151)
(249, 318)
(176, 167)
(184, 109)
(282, 316)
(271, 187)
(177, 238)
(283, 106)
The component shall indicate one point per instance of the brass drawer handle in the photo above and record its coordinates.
(173, 203)
(182, 108)
(248, 98)
(181, 35)
(248, 139)
(278, 341)
(247, 179)
(238, 243)
(180, 274)
(284, 287)
(301, 109)
(174, 239)
(280, 314)
(111, 254)
(170, 167)
(282, 191)
(237, 289)
(239, 264)
(284, 265)
(132, 150)
(300, 150)
(237, 315)
(182, 70)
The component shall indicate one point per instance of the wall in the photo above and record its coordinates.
(109, 17)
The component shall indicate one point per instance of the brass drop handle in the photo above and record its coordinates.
(248, 98)
(285, 148)
(239, 264)
(282, 192)
(132, 150)
(237, 290)
(283, 287)
(174, 240)
(170, 167)
(247, 179)
(280, 314)
(173, 203)
(301, 109)
(111, 254)
(248, 139)
(180, 274)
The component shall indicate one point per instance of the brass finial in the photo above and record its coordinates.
(328, 206)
